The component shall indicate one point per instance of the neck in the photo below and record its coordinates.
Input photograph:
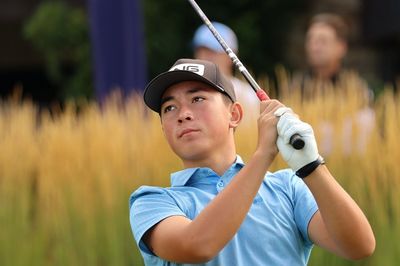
(218, 162)
(326, 72)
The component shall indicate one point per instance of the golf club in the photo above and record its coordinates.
(296, 141)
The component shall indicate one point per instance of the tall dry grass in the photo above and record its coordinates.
(65, 178)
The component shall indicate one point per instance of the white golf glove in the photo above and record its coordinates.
(306, 159)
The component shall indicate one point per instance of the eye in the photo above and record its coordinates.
(198, 99)
(168, 108)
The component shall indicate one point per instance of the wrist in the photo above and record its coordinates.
(306, 170)
(266, 155)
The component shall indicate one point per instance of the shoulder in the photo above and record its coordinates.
(238, 82)
(281, 177)
(278, 183)
(286, 181)
(242, 88)
(158, 198)
(245, 94)
(154, 192)
(151, 204)
(144, 191)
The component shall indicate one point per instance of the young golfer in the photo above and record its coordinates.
(221, 211)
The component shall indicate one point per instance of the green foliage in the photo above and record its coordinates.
(60, 33)
(261, 26)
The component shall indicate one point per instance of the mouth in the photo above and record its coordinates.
(187, 131)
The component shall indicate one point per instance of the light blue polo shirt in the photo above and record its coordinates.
(273, 233)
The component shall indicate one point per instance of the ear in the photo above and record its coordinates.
(236, 112)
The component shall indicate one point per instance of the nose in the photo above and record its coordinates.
(185, 115)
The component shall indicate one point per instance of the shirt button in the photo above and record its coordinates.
(220, 184)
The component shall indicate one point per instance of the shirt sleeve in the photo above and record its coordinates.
(149, 206)
(305, 206)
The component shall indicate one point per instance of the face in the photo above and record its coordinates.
(323, 47)
(197, 120)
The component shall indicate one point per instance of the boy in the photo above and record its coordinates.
(220, 211)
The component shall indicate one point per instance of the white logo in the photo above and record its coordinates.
(195, 68)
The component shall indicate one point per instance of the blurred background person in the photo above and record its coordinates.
(326, 45)
(206, 47)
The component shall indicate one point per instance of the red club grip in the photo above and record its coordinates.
(296, 141)
(262, 95)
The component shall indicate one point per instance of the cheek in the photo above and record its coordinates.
(168, 132)
(338, 50)
(216, 120)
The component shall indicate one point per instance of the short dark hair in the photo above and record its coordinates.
(335, 21)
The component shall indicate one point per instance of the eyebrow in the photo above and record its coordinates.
(170, 98)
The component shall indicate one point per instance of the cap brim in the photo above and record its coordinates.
(156, 88)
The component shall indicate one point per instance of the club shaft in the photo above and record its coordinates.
(227, 49)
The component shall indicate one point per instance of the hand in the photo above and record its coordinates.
(288, 125)
(267, 129)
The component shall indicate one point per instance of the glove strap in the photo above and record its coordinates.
(309, 168)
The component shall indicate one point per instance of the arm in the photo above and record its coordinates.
(182, 240)
(339, 226)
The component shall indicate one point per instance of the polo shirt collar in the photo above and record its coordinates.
(180, 178)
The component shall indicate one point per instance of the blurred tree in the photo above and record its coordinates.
(60, 33)
(261, 27)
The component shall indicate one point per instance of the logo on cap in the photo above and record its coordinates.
(195, 68)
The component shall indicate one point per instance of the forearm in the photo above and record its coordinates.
(345, 222)
(221, 219)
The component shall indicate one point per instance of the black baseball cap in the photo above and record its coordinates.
(187, 70)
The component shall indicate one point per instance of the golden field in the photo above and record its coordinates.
(66, 176)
